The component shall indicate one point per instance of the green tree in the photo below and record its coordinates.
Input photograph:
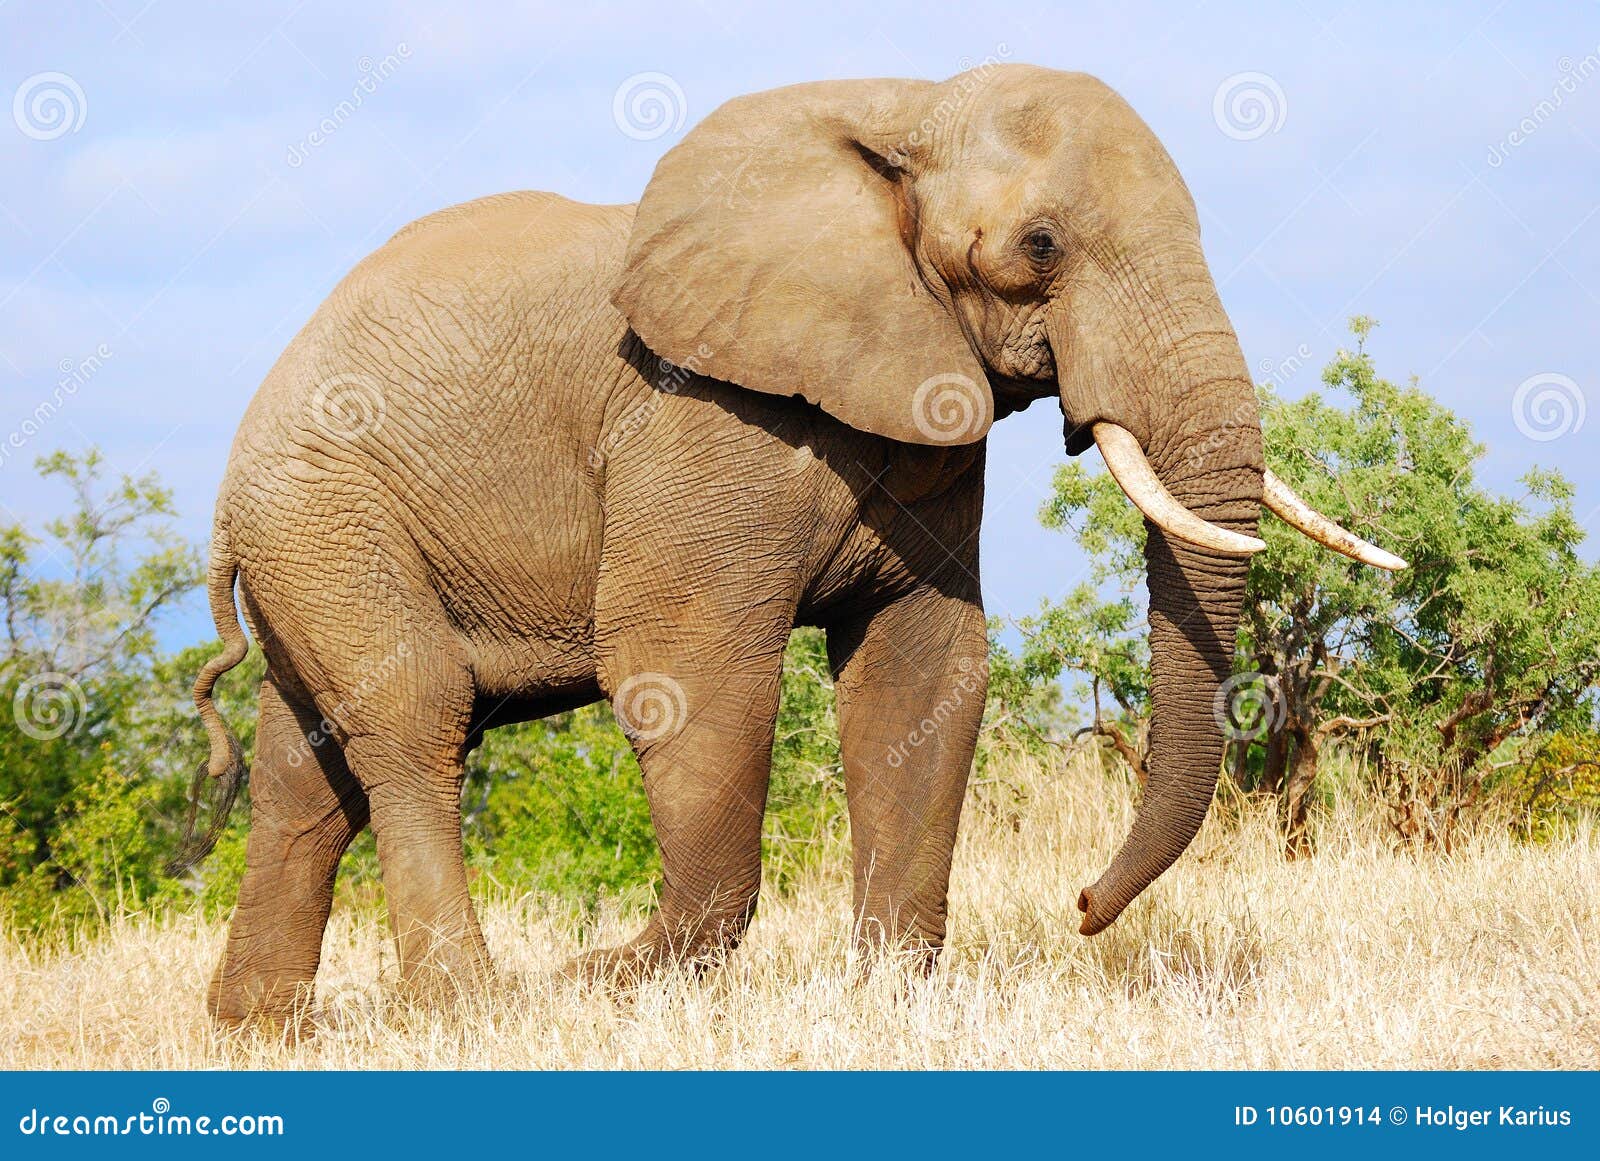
(1493, 632)
(79, 805)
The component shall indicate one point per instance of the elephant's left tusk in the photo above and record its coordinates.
(1134, 475)
(1282, 501)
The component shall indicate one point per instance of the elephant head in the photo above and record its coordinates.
(913, 257)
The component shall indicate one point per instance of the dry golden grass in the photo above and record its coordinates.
(1360, 957)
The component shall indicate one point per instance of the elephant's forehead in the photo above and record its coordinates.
(1056, 120)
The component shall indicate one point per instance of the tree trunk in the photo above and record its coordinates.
(1277, 760)
(1297, 790)
(1239, 761)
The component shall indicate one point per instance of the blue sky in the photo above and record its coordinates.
(164, 211)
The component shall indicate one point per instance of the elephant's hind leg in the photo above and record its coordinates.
(305, 808)
(392, 684)
(408, 751)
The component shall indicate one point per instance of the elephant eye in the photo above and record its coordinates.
(1041, 247)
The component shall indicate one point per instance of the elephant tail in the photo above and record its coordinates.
(225, 769)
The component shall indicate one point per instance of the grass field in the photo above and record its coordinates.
(1360, 957)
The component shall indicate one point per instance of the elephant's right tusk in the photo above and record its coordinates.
(1282, 501)
(1134, 475)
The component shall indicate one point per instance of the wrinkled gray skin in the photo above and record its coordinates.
(470, 492)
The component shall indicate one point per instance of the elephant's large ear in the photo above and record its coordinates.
(772, 249)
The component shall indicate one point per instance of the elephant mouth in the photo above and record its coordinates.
(1012, 395)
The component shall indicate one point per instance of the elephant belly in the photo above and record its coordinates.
(517, 582)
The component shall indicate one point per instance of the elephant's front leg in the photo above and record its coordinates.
(698, 697)
(911, 682)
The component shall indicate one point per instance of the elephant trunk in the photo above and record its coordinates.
(1195, 599)
(1200, 439)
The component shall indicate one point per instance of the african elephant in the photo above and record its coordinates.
(532, 453)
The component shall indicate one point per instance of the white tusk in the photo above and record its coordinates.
(1281, 500)
(1137, 478)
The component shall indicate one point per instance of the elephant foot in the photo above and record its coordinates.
(625, 967)
(616, 969)
(447, 978)
(273, 1008)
